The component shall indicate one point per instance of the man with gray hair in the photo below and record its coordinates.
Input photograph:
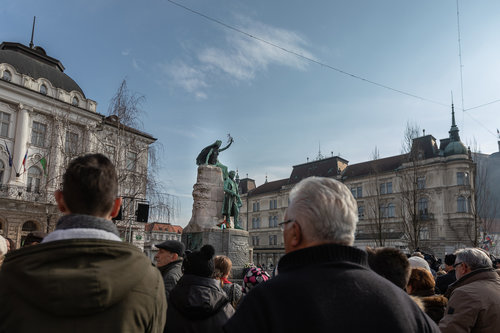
(474, 299)
(324, 283)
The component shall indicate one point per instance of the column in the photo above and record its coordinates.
(20, 144)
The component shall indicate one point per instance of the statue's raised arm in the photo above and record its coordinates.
(209, 155)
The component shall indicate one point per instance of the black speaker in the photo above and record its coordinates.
(119, 216)
(142, 212)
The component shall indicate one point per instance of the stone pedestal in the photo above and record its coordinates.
(229, 242)
(208, 197)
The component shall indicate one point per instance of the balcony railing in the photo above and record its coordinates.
(23, 193)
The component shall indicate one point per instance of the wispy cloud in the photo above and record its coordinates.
(187, 77)
(239, 57)
(135, 64)
(125, 52)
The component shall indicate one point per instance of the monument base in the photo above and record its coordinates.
(232, 243)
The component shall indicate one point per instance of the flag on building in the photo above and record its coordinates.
(24, 159)
(43, 162)
(8, 153)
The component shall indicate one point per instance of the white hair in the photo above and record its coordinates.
(326, 210)
(474, 258)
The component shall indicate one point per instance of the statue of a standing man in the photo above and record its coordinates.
(232, 201)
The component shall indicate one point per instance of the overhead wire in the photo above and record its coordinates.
(341, 70)
(306, 57)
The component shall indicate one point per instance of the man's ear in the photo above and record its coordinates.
(116, 208)
(296, 237)
(60, 202)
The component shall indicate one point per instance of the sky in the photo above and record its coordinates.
(286, 79)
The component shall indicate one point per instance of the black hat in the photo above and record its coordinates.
(172, 246)
(200, 263)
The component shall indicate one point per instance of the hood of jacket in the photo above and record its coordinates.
(197, 297)
(75, 276)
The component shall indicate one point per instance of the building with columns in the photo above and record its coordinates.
(45, 121)
(422, 199)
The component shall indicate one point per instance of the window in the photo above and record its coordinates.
(71, 143)
(383, 211)
(255, 240)
(256, 206)
(461, 204)
(422, 208)
(424, 233)
(389, 187)
(273, 204)
(43, 89)
(110, 152)
(256, 223)
(361, 212)
(382, 188)
(421, 183)
(131, 161)
(391, 210)
(386, 188)
(38, 134)
(34, 178)
(4, 124)
(75, 101)
(462, 178)
(29, 226)
(273, 221)
(7, 76)
(357, 192)
(2, 171)
(273, 239)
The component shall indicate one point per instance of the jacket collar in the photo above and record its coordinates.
(478, 274)
(170, 265)
(78, 221)
(322, 254)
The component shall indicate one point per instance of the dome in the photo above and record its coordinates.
(36, 64)
(455, 148)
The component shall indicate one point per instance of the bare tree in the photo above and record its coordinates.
(376, 216)
(413, 206)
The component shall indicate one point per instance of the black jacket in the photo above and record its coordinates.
(171, 273)
(443, 281)
(197, 304)
(328, 288)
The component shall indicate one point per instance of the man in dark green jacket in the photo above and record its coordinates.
(82, 278)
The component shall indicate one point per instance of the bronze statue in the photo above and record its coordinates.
(232, 201)
(209, 155)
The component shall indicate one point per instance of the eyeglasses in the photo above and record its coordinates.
(282, 224)
(458, 263)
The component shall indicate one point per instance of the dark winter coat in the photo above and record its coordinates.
(234, 293)
(81, 285)
(443, 281)
(328, 288)
(171, 273)
(197, 304)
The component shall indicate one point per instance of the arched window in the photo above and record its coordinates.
(2, 171)
(34, 179)
(75, 101)
(43, 89)
(423, 211)
(7, 76)
(30, 226)
(461, 204)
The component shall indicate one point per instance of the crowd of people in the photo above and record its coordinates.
(82, 277)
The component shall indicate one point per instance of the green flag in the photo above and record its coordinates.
(43, 162)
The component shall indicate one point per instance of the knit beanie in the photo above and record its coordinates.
(419, 262)
(200, 263)
(253, 277)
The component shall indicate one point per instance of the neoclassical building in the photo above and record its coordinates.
(45, 121)
(422, 199)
